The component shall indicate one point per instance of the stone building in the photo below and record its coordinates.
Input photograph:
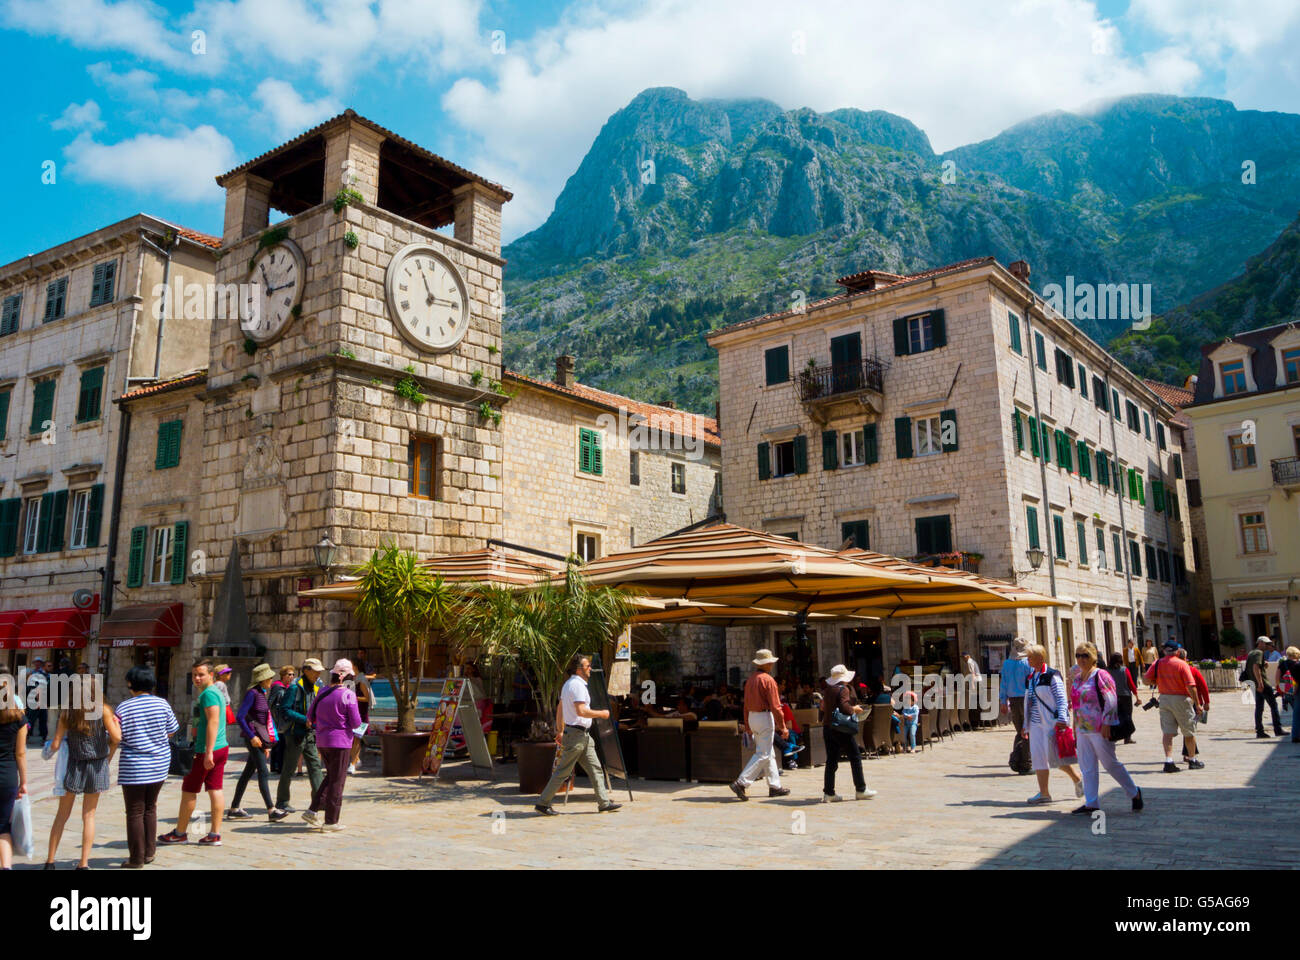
(81, 324)
(953, 415)
(1246, 415)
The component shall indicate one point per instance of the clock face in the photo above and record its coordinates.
(274, 287)
(427, 298)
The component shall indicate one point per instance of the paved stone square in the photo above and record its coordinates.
(955, 805)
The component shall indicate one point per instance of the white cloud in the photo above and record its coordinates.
(79, 116)
(141, 87)
(178, 167)
(958, 72)
(288, 112)
(135, 26)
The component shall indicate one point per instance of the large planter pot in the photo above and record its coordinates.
(403, 753)
(535, 763)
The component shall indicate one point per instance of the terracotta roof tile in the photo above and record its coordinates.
(694, 425)
(1176, 397)
(164, 386)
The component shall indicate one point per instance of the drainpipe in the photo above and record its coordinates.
(1169, 547)
(114, 517)
(1123, 522)
(166, 254)
(1042, 474)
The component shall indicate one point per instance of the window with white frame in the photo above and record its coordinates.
(1241, 455)
(80, 518)
(160, 558)
(920, 335)
(852, 448)
(1254, 534)
(587, 546)
(679, 477)
(928, 436)
(32, 524)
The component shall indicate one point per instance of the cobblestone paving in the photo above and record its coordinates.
(955, 805)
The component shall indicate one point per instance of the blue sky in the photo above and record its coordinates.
(135, 119)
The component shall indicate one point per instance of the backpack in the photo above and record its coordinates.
(275, 700)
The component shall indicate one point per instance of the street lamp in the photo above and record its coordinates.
(324, 552)
(1035, 556)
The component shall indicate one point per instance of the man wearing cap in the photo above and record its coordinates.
(763, 719)
(1011, 692)
(1180, 702)
(1255, 672)
(299, 739)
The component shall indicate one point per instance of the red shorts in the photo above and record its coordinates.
(199, 778)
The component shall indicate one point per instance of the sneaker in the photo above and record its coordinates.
(174, 837)
(1195, 764)
(1170, 767)
(545, 811)
(239, 813)
(1078, 789)
(800, 749)
(288, 809)
(211, 840)
(778, 791)
(865, 794)
(352, 768)
(1039, 798)
(1261, 735)
(333, 827)
(1084, 809)
(608, 807)
(275, 815)
(312, 817)
(1138, 803)
(831, 798)
(737, 789)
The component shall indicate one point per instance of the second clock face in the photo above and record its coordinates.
(427, 297)
(275, 287)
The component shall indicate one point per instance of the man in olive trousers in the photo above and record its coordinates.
(299, 738)
(573, 718)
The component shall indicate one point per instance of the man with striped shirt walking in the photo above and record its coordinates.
(144, 760)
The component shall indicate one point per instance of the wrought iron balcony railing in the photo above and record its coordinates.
(841, 378)
(1286, 472)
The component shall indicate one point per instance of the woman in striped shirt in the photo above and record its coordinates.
(1046, 711)
(147, 726)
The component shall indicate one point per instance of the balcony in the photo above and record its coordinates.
(823, 390)
(1286, 474)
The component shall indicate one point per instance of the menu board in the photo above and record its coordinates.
(443, 721)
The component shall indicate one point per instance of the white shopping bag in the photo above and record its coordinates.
(24, 840)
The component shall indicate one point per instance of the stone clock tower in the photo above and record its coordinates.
(348, 312)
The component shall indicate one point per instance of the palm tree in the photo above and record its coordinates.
(403, 603)
(540, 628)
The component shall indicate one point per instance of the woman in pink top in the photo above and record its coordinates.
(1096, 712)
(334, 715)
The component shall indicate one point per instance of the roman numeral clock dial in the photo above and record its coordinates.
(427, 298)
(274, 288)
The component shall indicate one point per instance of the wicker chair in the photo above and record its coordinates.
(925, 732)
(883, 737)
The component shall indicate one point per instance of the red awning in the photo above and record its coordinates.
(145, 625)
(63, 628)
(10, 621)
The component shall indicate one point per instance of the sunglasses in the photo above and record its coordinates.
(1082, 656)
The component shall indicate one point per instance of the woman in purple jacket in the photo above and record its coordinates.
(255, 722)
(335, 717)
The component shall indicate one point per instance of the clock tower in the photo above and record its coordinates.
(353, 371)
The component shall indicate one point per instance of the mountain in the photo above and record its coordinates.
(1266, 293)
(688, 214)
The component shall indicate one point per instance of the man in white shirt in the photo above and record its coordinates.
(573, 716)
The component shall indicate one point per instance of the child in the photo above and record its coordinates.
(790, 746)
(911, 716)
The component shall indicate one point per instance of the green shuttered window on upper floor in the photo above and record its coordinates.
(42, 405)
(90, 396)
(591, 458)
(168, 454)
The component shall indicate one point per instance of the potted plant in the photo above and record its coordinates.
(1232, 638)
(402, 603)
(539, 629)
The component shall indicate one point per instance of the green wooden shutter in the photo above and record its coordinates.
(939, 329)
(1142, 490)
(42, 405)
(4, 413)
(9, 510)
(830, 449)
(1033, 437)
(43, 523)
(1160, 435)
(94, 515)
(597, 453)
(901, 346)
(1178, 460)
(180, 550)
(1058, 528)
(764, 461)
(58, 519)
(1031, 521)
(135, 557)
(169, 445)
(1081, 534)
(777, 361)
(870, 444)
(1016, 431)
(1134, 558)
(946, 417)
(1103, 469)
(1016, 344)
(1158, 495)
(1047, 441)
(903, 438)
(90, 396)
(801, 454)
(1085, 460)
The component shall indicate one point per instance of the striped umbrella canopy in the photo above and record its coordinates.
(496, 565)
